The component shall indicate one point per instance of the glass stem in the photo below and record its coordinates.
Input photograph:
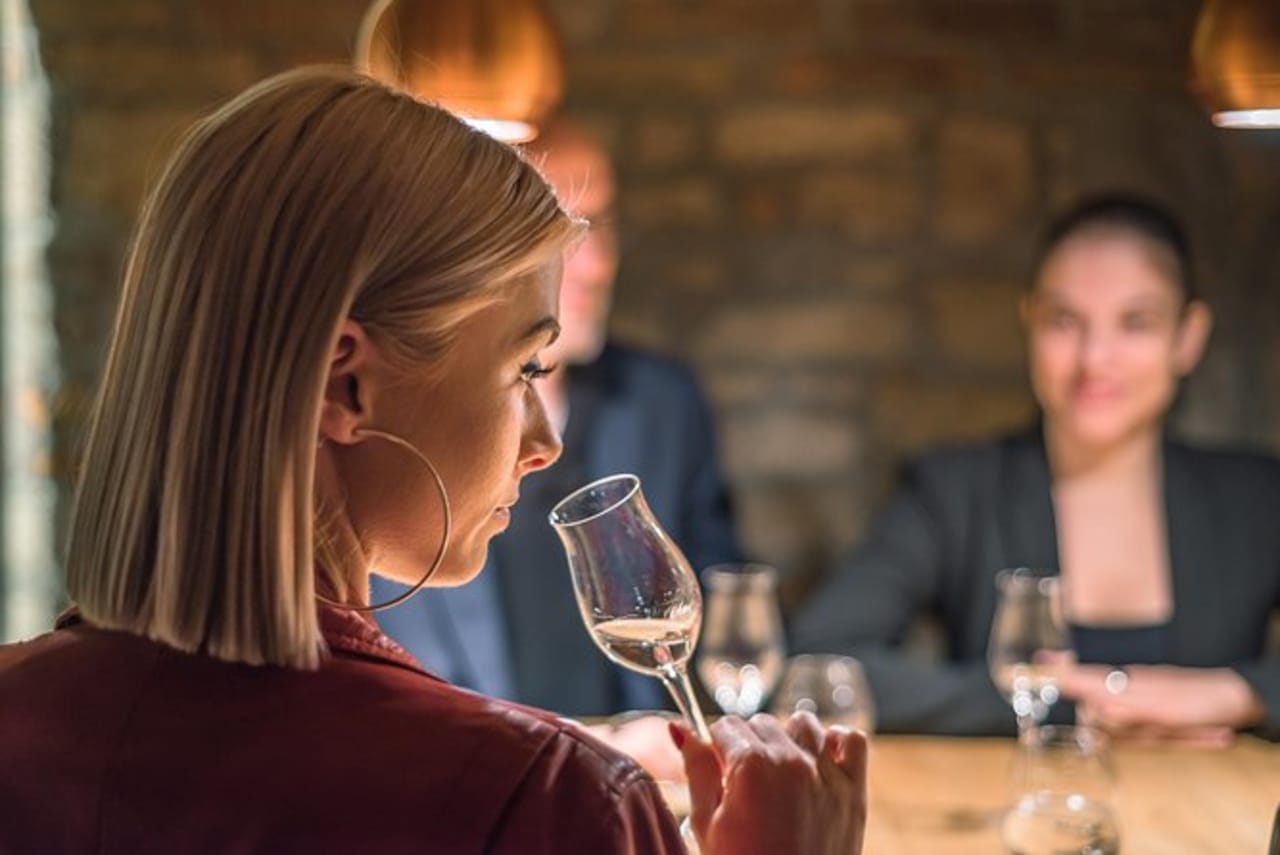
(1024, 707)
(677, 682)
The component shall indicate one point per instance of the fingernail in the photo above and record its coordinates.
(677, 735)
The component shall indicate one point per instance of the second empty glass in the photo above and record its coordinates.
(833, 688)
(742, 648)
(1028, 642)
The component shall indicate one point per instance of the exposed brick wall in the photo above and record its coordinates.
(842, 197)
(127, 78)
(839, 196)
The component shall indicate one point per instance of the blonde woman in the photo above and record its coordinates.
(323, 366)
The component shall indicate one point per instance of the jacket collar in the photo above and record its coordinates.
(1026, 524)
(353, 633)
(1029, 536)
(344, 631)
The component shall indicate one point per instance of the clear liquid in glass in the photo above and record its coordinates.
(647, 645)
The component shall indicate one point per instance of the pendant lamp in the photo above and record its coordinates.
(1235, 62)
(498, 64)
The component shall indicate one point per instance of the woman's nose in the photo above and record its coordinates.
(1096, 348)
(541, 445)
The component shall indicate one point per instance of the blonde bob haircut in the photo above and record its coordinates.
(315, 196)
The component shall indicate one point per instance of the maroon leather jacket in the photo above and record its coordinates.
(110, 742)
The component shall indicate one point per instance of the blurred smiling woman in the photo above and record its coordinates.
(333, 316)
(1169, 553)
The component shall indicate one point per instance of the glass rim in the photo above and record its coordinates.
(621, 476)
(825, 658)
(754, 572)
(1027, 576)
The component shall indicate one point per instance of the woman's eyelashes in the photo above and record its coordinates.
(534, 370)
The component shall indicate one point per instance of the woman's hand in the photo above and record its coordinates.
(1161, 703)
(774, 790)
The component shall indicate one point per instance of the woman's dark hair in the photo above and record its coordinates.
(1142, 218)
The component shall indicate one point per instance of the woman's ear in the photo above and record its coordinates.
(345, 408)
(1193, 336)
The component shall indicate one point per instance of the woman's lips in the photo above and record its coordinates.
(1097, 393)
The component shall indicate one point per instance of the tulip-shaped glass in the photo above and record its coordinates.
(636, 591)
(1029, 642)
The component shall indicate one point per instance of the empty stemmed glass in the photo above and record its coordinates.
(741, 653)
(636, 591)
(1062, 786)
(1028, 642)
(833, 688)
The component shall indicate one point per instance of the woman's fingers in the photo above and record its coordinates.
(735, 738)
(843, 767)
(1207, 736)
(702, 767)
(791, 787)
(847, 749)
(1083, 682)
(1134, 724)
(775, 736)
(803, 727)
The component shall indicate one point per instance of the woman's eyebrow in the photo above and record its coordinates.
(548, 323)
(1145, 303)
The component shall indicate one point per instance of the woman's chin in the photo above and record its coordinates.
(458, 569)
(1107, 430)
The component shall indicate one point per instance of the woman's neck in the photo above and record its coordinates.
(1069, 458)
(349, 583)
(342, 567)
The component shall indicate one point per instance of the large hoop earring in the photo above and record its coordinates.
(444, 539)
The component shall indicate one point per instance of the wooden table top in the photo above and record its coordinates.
(937, 796)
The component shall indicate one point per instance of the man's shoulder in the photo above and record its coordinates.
(644, 382)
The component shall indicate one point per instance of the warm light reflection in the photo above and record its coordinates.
(1269, 118)
(1235, 62)
(507, 130)
(496, 59)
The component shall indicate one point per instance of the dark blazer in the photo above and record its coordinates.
(113, 743)
(962, 515)
(629, 411)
